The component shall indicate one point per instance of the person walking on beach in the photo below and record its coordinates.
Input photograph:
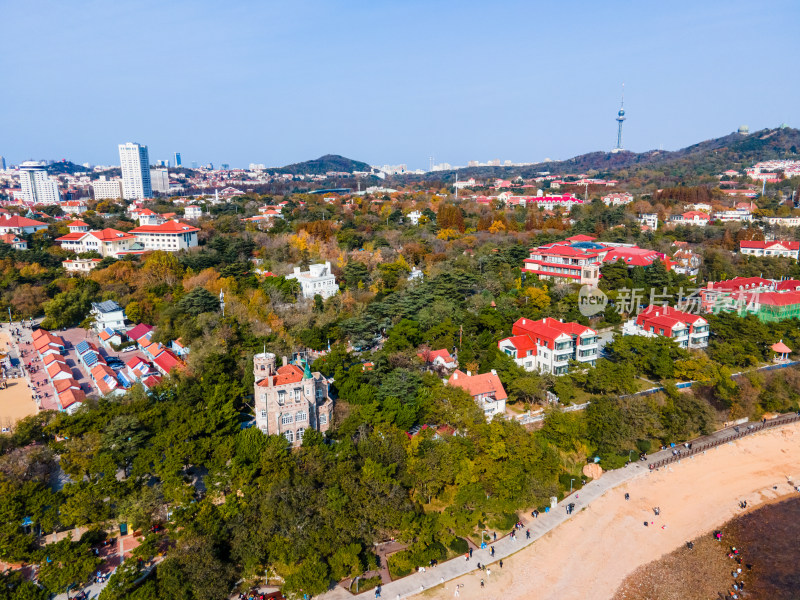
(501, 563)
(527, 534)
(482, 583)
(457, 593)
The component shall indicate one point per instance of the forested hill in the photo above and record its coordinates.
(324, 164)
(709, 157)
(65, 167)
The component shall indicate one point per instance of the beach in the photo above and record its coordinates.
(590, 555)
(16, 401)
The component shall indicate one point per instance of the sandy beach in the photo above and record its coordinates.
(16, 401)
(590, 555)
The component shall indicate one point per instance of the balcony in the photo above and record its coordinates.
(562, 358)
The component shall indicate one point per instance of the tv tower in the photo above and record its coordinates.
(620, 119)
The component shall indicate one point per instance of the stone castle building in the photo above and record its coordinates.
(289, 399)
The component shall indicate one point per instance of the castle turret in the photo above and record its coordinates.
(263, 365)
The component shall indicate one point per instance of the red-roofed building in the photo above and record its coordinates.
(71, 400)
(289, 400)
(58, 370)
(107, 242)
(170, 236)
(166, 361)
(486, 389)
(688, 330)
(578, 259)
(105, 379)
(438, 358)
(782, 248)
(693, 217)
(13, 240)
(74, 207)
(19, 225)
(141, 334)
(547, 345)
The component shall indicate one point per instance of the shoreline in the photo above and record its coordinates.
(607, 541)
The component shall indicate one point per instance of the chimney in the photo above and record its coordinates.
(284, 360)
(469, 373)
(494, 372)
(523, 321)
(657, 313)
(455, 375)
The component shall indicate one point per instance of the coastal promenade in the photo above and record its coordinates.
(547, 522)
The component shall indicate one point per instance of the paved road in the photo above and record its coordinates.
(452, 569)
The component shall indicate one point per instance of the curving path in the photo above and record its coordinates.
(547, 522)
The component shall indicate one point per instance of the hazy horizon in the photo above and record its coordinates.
(387, 83)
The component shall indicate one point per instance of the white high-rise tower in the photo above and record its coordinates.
(135, 163)
(37, 187)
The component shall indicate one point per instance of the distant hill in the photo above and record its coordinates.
(710, 157)
(65, 167)
(324, 164)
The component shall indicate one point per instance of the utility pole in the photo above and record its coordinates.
(456, 185)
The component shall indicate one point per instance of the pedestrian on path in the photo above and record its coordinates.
(488, 572)
(482, 583)
(492, 551)
(470, 552)
(527, 534)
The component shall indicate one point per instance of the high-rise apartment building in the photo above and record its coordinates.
(159, 179)
(2, 163)
(37, 187)
(177, 159)
(135, 163)
(107, 189)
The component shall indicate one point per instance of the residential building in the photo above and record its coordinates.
(141, 334)
(170, 236)
(617, 199)
(135, 163)
(16, 242)
(74, 207)
(649, 220)
(578, 259)
(548, 345)
(107, 189)
(80, 265)
(145, 216)
(108, 315)
(159, 180)
(727, 216)
(686, 262)
(438, 358)
(686, 329)
(414, 217)
(107, 242)
(726, 295)
(317, 280)
(486, 389)
(105, 379)
(783, 221)
(192, 212)
(289, 399)
(37, 186)
(782, 248)
(19, 225)
(693, 217)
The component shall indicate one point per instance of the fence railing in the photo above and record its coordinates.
(696, 448)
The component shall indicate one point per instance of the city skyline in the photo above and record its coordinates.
(551, 90)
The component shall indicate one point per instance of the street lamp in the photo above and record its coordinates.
(570, 484)
(629, 455)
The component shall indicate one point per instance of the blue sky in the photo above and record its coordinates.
(388, 82)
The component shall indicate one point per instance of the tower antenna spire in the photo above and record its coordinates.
(620, 119)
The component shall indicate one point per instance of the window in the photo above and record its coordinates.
(300, 417)
(298, 393)
(281, 397)
(323, 419)
(300, 433)
(286, 419)
(289, 435)
(263, 414)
